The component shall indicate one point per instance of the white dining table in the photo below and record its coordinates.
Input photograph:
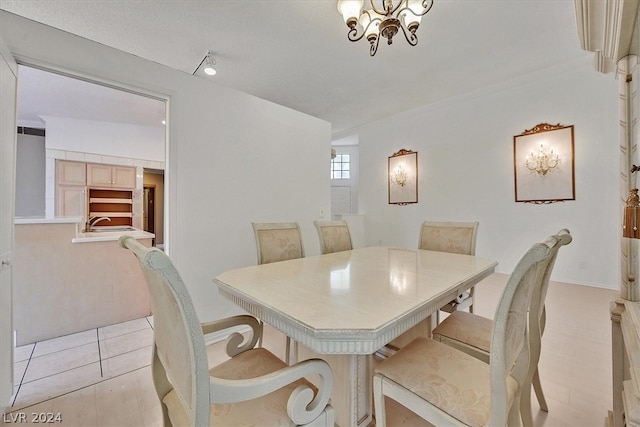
(345, 306)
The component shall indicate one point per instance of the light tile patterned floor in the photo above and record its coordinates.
(58, 366)
(115, 389)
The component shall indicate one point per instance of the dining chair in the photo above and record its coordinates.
(471, 333)
(279, 241)
(252, 387)
(334, 236)
(453, 237)
(446, 386)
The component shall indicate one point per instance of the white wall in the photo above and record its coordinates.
(233, 158)
(465, 149)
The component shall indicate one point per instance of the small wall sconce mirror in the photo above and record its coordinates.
(403, 177)
(543, 164)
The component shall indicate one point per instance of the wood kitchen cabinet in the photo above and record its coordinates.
(114, 204)
(110, 176)
(74, 181)
(71, 181)
(71, 173)
(71, 201)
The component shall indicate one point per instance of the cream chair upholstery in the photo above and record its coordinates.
(253, 387)
(278, 241)
(446, 386)
(472, 333)
(334, 236)
(453, 237)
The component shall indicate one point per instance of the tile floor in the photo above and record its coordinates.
(103, 378)
(62, 365)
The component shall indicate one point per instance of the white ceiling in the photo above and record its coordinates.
(42, 93)
(296, 53)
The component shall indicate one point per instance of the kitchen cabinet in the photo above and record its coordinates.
(71, 201)
(71, 173)
(71, 181)
(117, 205)
(111, 176)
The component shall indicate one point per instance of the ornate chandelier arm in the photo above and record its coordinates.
(410, 36)
(353, 36)
(426, 5)
(384, 11)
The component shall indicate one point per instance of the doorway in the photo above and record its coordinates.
(88, 122)
(153, 205)
(148, 208)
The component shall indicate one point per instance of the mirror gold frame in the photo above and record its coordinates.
(403, 177)
(544, 164)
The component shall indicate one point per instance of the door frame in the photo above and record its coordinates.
(7, 194)
(6, 354)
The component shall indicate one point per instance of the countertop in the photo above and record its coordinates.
(42, 220)
(102, 235)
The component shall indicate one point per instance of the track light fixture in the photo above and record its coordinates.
(207, 64)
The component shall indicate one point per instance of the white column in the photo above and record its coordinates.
(628, 75)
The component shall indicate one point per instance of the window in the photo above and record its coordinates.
(341, 166)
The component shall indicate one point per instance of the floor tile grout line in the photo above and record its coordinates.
(63, 347)
(80, 388)
(150, 325)
(100, 359)
(99, 353)
(129, 351)
(102, 379)
(125, 334)
(60, 372)
(33, 357)
(24, 374)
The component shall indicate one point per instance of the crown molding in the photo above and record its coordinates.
(607, 29)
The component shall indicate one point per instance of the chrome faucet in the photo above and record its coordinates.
(91, 222)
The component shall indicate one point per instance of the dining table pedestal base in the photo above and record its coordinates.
(351, 397)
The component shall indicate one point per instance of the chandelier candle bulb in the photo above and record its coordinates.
(350, 11)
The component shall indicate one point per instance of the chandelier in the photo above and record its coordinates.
(543, 162)
(385, 22)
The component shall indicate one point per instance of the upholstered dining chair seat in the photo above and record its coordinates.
(267, 410)
(462, 329)
(451, 380)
